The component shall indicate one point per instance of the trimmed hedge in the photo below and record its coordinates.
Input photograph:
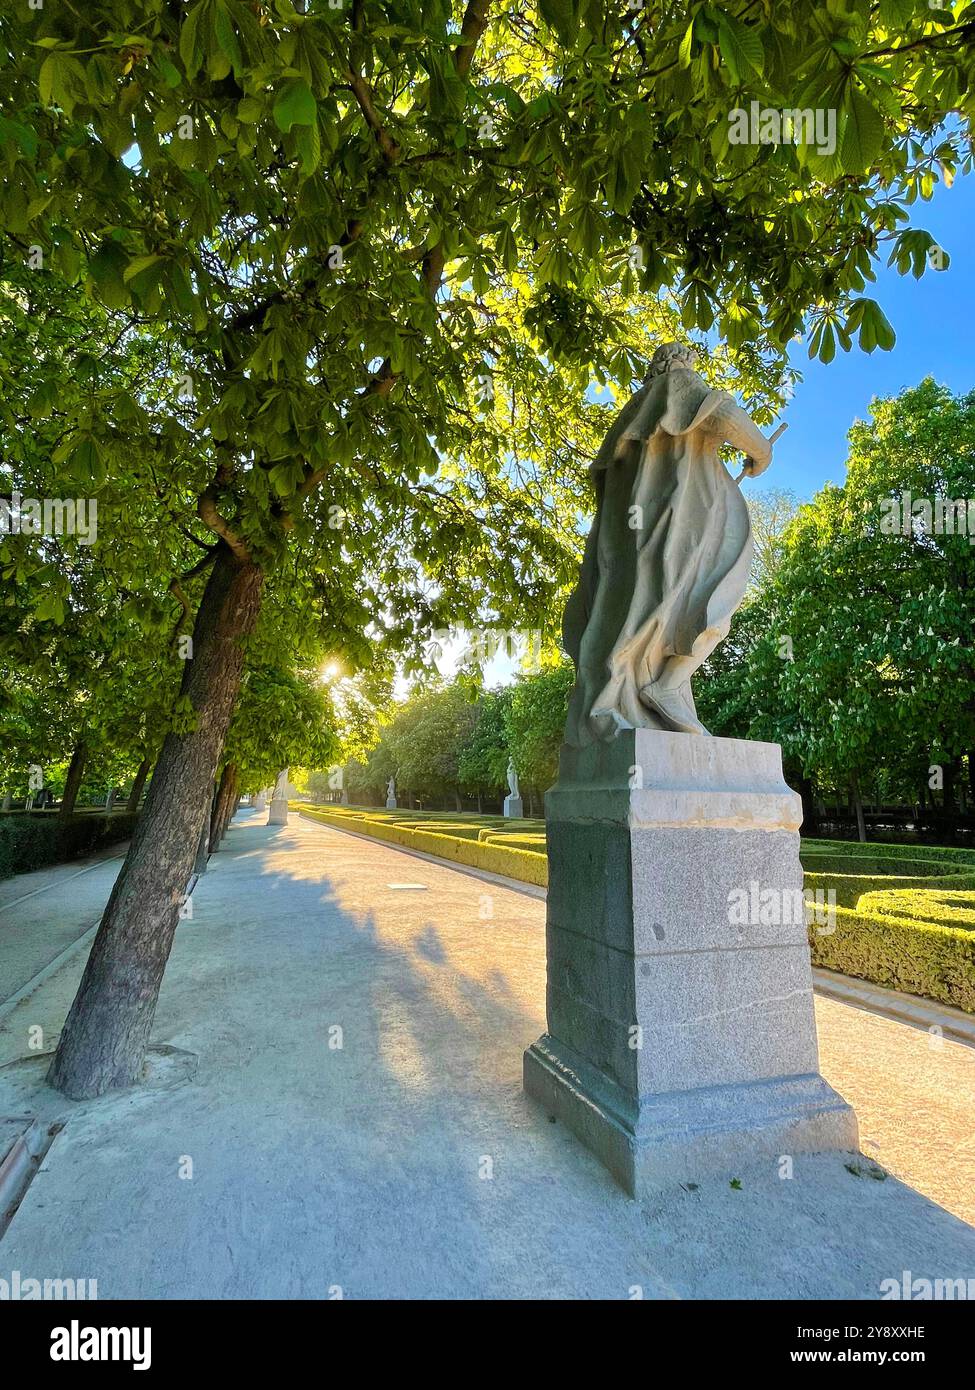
(32, 842)
(515, 839)
(916, 957)
(944, 908)
(528, 866)
(851, 876)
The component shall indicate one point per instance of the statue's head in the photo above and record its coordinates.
(670, 356)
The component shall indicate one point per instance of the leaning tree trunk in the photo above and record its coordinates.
(72, 784)
(135, 795)
(104, 1040)
(220, 816)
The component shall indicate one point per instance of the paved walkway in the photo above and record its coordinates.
(407, 1160)
(44, 913)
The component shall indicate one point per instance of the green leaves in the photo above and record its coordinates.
(295, 105)
(864, 317)
(741, 48)
(61, 80)
(562, 16)
(192, 45)
(874, 329)
(862, 133)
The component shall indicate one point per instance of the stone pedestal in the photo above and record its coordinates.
(278, 812)
(514, 807)
(390, 803)
(260, 802)
(681, 1041)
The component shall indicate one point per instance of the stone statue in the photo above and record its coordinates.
(391, 794)
(513, 806)
(668, 556)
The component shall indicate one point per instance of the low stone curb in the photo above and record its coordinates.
(906, 1008)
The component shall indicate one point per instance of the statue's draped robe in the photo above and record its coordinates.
(666, 562)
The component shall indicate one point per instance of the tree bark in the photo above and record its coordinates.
(858, 808)
(203, 848)
(810, 817)
(948, 788)
(135, 795)
(72, 783)
(222, 807)
(104, 1040)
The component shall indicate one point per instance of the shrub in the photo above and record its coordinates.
(922, 958)
(31, 842)
(527, 865)
(850, 876)
(947, 909)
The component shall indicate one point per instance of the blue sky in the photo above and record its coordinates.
(934, 319)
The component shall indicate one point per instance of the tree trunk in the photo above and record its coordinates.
(858, 808)
(203, 849)
(810, 817)
(104, 1040)
(72, 784)
(480, 803)
(135, 795)
(457, 801)
(948, 788)
(222, 807)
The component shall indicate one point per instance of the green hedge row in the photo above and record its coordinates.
(947, 909)
(851, 872)
(922, 958)
(31, 842)
(528, 866)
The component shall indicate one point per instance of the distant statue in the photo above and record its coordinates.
(668, 556)
(512, 803)
(391, 794)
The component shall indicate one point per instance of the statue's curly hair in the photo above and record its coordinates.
(671, 355)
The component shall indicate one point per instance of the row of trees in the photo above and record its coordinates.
(449, 743)
(316, 297)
